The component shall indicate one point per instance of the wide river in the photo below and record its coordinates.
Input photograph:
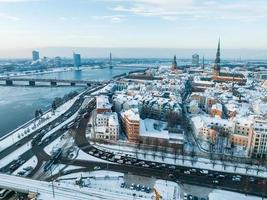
(18, 104)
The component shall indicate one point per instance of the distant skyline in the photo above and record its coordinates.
(179, 24)
(67, 52)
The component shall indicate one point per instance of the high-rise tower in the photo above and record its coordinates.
(35, 55)
(195, 60)
(217, 63)
(110, 60)
(77, 60)
(203, 62)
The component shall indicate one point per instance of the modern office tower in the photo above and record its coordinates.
(35, 55)
(57, 61)
(110, 60)
(203, 62)
(77, 60)
(195, 60)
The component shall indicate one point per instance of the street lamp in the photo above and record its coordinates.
(53, 189)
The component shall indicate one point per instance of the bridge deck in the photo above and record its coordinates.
(61, 191)
(46, 80)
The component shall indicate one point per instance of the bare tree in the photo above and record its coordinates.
(173, 118)
(213, 163)
(235, 167)
(175, 153)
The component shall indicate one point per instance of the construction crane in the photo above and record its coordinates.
(157, 194)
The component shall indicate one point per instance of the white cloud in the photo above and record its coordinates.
(169, 18)
(62, 18)
(189, 9)
(83, 36)
(9, 17)
(17, 1)
(112, 18)
(116, 19)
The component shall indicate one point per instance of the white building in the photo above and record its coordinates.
(102, 104)
(107, 126)
(259, 139)
(193, 107)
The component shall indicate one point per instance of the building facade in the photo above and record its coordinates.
(130, 124)
(35, 55)
(107, 126)
(195, 60)
(76, 60)
(258, 144)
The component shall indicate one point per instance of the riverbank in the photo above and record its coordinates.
(18, 104)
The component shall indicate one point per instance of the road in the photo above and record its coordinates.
(37, 147)
(256, 187)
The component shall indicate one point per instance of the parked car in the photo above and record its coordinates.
(97, 168)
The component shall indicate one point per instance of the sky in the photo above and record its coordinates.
(180, 24)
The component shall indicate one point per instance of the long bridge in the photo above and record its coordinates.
(9, 81)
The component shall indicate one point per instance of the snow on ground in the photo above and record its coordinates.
(72, 167)
(106, 181)
(89, 193)
(58, 168)
(33, 72)
(111, 181)
(30, 163)
(225, 195)
(15, 154)
(105, 89)
(99, 174)
(31, 126)
(202, 163)
(168, 189)
(53, 146)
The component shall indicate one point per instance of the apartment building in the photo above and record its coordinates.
(107, 126)
(130, 124)
(258, 144)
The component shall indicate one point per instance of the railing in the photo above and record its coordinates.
(46, 80)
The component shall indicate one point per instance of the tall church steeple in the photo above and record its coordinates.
(216, 67)
(174, 63)
(218, 54)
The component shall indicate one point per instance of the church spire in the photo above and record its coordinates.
(174, 63)
(218, 54)
(216, 68)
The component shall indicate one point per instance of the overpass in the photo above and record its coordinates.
(55, 190)
(9, 81)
